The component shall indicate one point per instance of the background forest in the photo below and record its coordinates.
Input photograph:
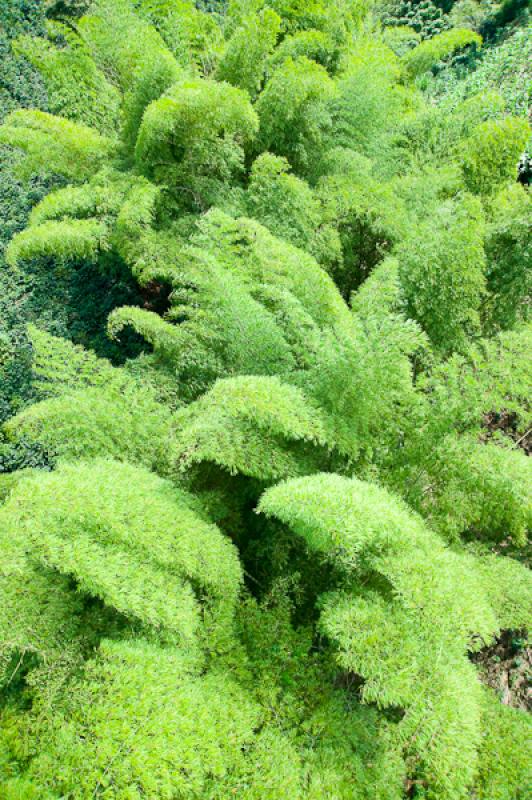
(264, 400)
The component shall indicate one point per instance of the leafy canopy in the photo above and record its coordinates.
(261, 548)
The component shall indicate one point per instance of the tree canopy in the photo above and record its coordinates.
(264, 482)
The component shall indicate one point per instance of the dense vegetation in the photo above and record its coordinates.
(265, 372)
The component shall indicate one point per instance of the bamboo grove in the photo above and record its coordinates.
(253, 551)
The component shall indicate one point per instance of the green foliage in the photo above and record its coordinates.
(21, 85)
(424, 17)
(428, 53)
(472, 13)
(78, 416)
(493, 375)
(288, 207)
(79, 239)
(231, 336)
(250, 426)
(490, 155)
(84, 424)
(390, 601)
(155, 727)
(244, 61)
(59, 366)
(108, 212)
(297, 15)
(491, 380)
(294, 119)
(247, 303)
(508, 251)
(315, 45)
(134, 56)
(505, 68)
(54, 146)
(76, 88)
(15, 355)
(17, 17)
(401, 39)
(507, 583)
(436, 133)
(506, 13)
(368, 216)
(369, 99)
(194, 38)
(57, 9)
(255, 549)
(485, 491)
(140, 550)
(40, 617)
(442, 271)
(249, 251)
(120, 40)
(504, 768)
(193, 137)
